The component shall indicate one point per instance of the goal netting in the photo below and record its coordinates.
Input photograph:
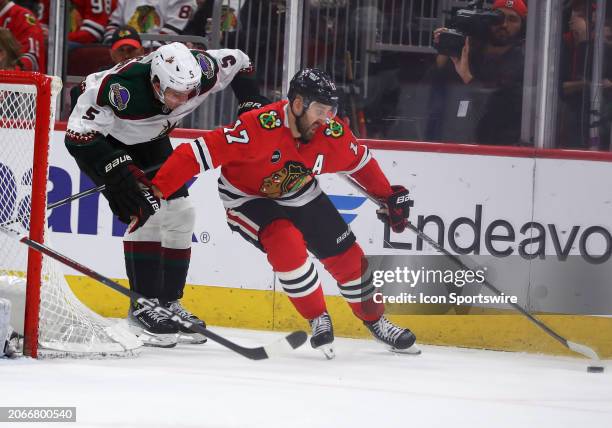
(56, 322)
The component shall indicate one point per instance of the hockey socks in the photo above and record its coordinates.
(286, 251)
(143, 267)
(175, 265)
(356, 288)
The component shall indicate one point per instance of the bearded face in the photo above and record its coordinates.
(509, 31)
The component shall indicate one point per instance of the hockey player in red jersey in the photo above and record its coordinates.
(27, 31)
(269, 161)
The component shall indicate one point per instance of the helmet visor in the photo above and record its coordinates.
(322, 111)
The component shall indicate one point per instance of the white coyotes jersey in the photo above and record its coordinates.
(121, 102)
(152, 16)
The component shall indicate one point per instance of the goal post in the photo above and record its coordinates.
(56, 323)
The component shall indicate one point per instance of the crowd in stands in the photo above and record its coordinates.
(475, 96)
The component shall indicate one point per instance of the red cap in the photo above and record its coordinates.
(516, 5)
(125, 35)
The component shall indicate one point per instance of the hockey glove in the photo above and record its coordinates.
(128, 191)
(396, 210)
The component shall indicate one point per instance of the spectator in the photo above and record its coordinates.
(199, 24)
(40, 9)
(493, 66)
(575, 121)
(125, 44)
(88, 20)
(28, 33)
(9, 51)
(151, 16)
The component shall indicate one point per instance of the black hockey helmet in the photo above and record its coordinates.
(313, 85)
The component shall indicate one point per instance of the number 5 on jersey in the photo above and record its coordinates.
(233, 136)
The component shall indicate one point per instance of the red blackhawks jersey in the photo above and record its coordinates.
(260, 158)
(88, 19)
(27, 31)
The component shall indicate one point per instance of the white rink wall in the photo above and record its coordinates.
(558, 194)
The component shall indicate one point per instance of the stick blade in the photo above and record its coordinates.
(583, 349)
(286, 344)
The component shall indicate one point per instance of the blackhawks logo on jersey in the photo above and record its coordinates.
(118, 96)
(293, 176)
(30, 19)
(334, 129)
(144, 19)
(269, 120)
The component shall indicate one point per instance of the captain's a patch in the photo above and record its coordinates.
(334, 129)
(118, 96)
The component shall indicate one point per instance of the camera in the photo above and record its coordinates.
(474, 21)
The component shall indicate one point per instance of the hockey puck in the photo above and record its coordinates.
(595, 369)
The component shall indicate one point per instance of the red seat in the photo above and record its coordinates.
(88, 59)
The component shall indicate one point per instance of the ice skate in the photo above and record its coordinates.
(322, 335)
(400, 340)
(152, 328)
(184, 334)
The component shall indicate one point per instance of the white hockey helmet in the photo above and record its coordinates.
(175, 67)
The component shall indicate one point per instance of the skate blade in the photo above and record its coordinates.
(413, 350)
(192, 338)
(158, 340)
(328, 351)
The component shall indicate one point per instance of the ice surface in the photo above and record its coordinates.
(365, 386)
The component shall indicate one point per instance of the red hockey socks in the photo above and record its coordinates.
(286, 251)
(356, 290)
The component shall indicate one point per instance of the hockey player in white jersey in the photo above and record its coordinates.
(119, 127)
(151, 16)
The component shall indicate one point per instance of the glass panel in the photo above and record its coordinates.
(585, 110)
(397, 87)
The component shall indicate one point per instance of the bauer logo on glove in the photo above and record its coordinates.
(396, 209)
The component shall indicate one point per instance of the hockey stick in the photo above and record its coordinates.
(74, 197)
(576, 347)
(91, 191)
(287, 343)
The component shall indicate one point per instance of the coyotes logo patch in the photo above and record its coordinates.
(269, 120)
(293, 176)
(207, 66)
(334, 129)
(118, 96)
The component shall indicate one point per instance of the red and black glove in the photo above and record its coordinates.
(128, 191)
(396, 209)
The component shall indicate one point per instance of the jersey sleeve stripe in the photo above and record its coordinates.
(108, 33)
(93, 24)
(171, 29)
(32, 58)
(93, 32)
(364, 160)
(202, 155)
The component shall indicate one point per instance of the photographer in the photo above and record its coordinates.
(490, 61)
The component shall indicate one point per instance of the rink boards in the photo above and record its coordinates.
(508, 196)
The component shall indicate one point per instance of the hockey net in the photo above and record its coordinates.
(56, 322)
